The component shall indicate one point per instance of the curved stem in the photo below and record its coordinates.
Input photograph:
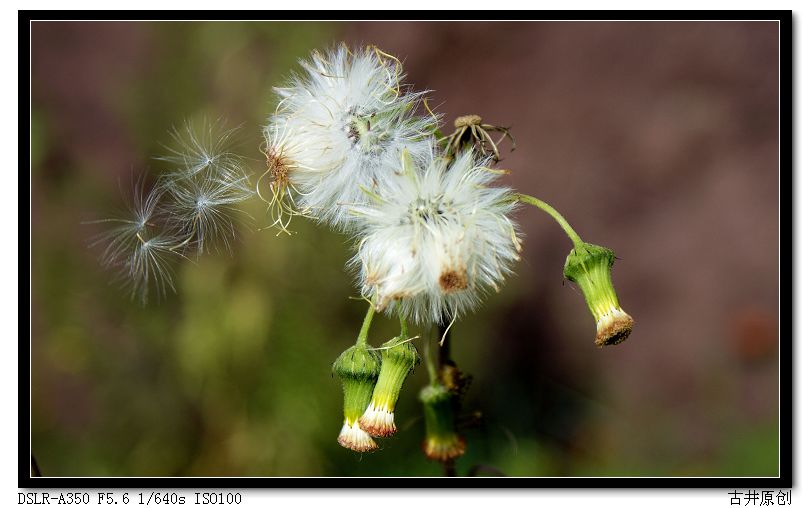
(403, 324)
(363, 336)
(531, 200)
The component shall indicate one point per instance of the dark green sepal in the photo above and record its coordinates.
(441, 442)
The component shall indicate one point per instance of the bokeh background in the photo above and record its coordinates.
(659, 140)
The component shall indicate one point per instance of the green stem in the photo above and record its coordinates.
(403, 324)
(362, 338)
(429, 363)
(554, 213)
(444, 341)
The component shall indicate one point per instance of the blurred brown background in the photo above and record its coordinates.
(659, 140)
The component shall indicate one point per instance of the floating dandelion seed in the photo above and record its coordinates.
(134, 246)
(203, 207)
(191, 208)
(203, 190)
(205, 147)
(151, 264)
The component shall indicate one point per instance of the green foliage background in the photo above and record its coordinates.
(231, 376)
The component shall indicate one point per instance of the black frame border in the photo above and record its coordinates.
(786, 235)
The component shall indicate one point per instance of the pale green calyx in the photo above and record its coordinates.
(589, 266)
(399, 357)
(358, 368)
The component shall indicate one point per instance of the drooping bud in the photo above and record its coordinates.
(358, 368)
(589, 266)
(441, 443)
(399, 357)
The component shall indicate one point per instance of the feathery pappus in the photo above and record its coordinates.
(188, 210)
(335, 130)
(436, 237)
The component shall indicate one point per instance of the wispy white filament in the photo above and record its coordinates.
(189, 210)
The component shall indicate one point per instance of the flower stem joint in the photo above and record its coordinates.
(442, 443)
(589, 266)
(358, 368)
(399, 357)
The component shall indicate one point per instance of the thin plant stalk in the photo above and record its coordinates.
(362, 337)
(542, 205)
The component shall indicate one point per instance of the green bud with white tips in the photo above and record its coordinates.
(441, 443)
(589, 266)
(358, 368)
(399, 357)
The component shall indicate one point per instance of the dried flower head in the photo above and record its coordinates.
(470, 130)
(436, 237)
(333, 131)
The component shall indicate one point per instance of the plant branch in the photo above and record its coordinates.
(363, 336)
(542, 205)
(444, 340)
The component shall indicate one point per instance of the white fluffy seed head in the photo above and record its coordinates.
(336, 129)
(436, 238)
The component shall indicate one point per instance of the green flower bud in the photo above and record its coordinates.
(441, 443)
(357, 368)
(589, 266)
(399, 358)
